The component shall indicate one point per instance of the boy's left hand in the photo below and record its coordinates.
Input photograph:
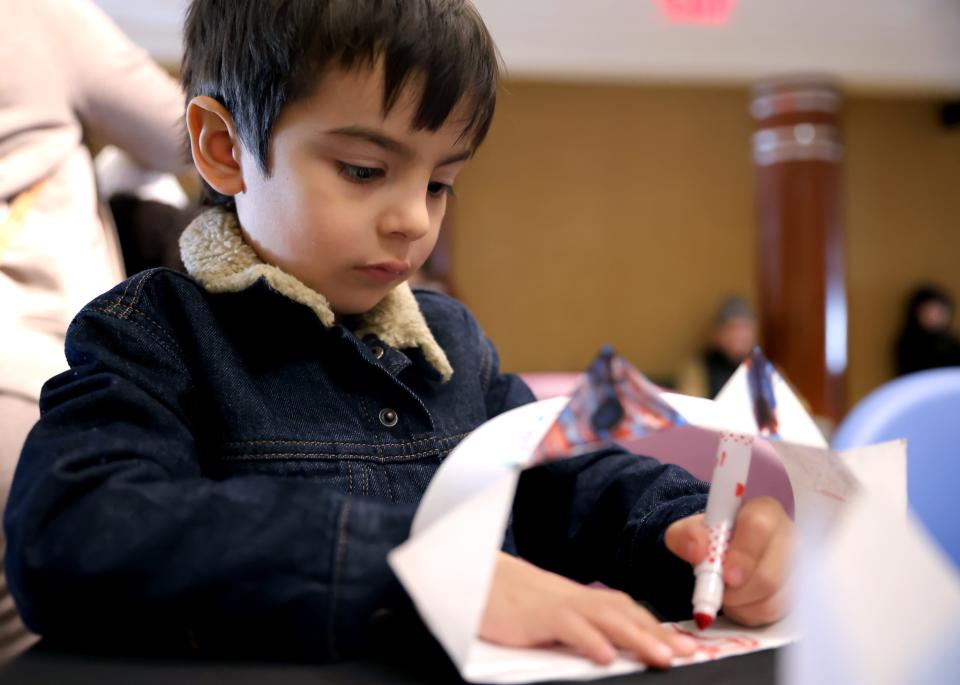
(756, 565)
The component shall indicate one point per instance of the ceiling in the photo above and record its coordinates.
(873, 45)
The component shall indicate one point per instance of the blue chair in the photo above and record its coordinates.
(924, 408)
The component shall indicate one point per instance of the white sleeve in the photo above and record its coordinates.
(117, 89)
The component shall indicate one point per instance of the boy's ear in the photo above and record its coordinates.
(215, 145)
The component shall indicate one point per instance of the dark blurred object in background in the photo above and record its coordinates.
(734, 335)
(149, 210)
(149, 232)
(950, 114)
(926, 341)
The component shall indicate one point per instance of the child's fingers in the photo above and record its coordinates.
(640, 641)
(758, 579)
(682, 645)
(679, 644)
(631, 627)
(757, 564)
(758, 522)
(756, 561)
(688, 539)
(574, 630)
(761, 612)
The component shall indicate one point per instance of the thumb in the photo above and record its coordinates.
(688, 539)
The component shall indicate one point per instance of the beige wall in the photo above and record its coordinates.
(903, 223)
(624, 214)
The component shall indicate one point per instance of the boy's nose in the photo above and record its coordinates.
(408, 218)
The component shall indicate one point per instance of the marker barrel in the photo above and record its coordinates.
(726, 493)
(708, 590)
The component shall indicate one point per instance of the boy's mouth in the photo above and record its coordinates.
(386, 272)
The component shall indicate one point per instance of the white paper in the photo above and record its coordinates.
(821, 482)
(446, 566)
(796, 425)
(447, 563)
(882, 469)
(879, 602)
(495, 664)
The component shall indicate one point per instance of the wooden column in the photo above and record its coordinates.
(797, 151)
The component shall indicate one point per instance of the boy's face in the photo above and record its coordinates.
(354, 201)
(737, 337)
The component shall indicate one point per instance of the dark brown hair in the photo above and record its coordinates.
(256, 57)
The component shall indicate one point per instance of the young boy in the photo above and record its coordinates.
(232, 454)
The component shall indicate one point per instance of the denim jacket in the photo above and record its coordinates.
(225, 467)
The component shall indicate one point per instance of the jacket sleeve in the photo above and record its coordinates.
(116, 87)
(602, 517)
(116, 539)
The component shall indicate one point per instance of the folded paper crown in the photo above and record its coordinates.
(614, 402)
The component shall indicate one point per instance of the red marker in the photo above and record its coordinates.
(726, 493)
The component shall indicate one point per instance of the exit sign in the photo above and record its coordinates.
(711, 12)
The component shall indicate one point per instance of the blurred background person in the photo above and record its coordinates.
(733, 335)
(926, 341)
(64, 65)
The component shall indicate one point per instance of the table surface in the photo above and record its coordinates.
(41, 665)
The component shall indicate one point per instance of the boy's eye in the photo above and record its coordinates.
(359, 174)
(437, 189)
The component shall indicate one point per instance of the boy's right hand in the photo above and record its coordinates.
(530, 607)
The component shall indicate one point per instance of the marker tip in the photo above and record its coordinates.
(703, 620)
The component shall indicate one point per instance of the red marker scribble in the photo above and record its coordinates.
(832, 495)
(739, 490)
(716, 647)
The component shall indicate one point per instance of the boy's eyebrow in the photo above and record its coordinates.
(373, 136)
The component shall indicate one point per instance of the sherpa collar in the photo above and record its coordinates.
(216, 255)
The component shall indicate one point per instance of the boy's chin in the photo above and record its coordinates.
(356, 306)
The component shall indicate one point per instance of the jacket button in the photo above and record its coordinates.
(377, 351)
(388, 417)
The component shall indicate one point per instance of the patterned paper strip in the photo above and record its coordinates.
(614, 402)
(760, 377)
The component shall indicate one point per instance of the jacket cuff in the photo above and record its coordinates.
(656, 575)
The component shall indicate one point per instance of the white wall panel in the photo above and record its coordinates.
(901, 45)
